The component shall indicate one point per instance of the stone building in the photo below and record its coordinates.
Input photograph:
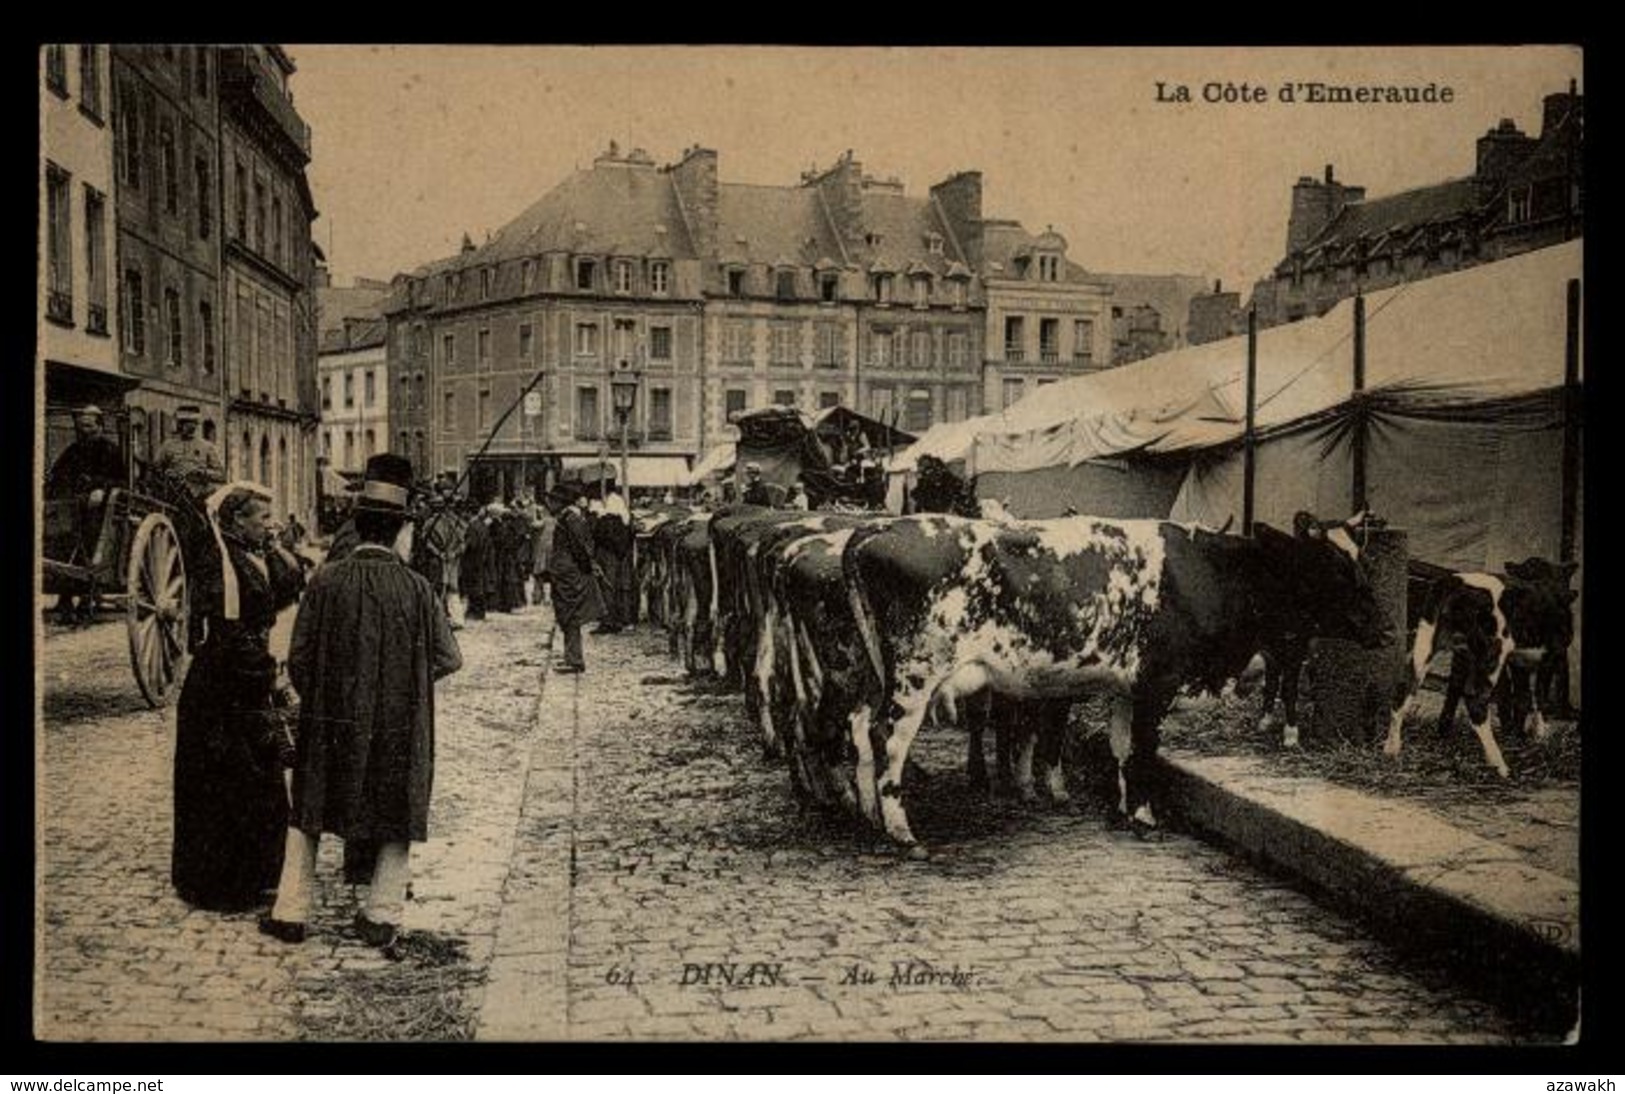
(353, 378)
(1215, 316)
(267, 277)
(79, 332)
(164, 115)
(1525, 192)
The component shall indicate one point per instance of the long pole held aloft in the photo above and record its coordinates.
(1249, 441)
(468, 464)
(1357, 441)
(1571, 425)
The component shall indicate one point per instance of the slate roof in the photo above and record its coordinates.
(776, 223)
(617, 209)
(1397, 214)
(334, 304)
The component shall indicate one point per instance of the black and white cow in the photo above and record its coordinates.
(949, 607)
(1500, 631)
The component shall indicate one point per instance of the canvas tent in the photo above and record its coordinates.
(1464, 378)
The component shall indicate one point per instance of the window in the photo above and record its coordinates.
(1519, 204)
(920, 350)
(933, 243)
(369, 444)
(660, 414)
(245, 339)
(448, 420)
(405, 397)
(349, 448)
(956, 349)
(421, 448)
(405, 449)
(205, 204)
(1049, 267)
(736, 282)
(659, 278)
(419, 392)
(623, 277)
(660, 343)
(782, 344)
(327, 443)
(482, 349)
(527, 275)
(917, 416)
(448, 350)
(56, 69)
(276, 230)
(586, 339)
(883, 288)
(827, 399)
(922, 292)
(958, 404)
(1012, 391)
(205, 323)
(242, 202)
(130, 133)
(59, 214)
(349, 389)
(880, 347)
(488, 280)
(1049, 340)
(200, 70)
(587, 413)
(133, 322)
(525, 342)
(827, 345)
(625, 334)
(959, 294)
(327, 393)
(177, 335)
(735, 402)
(167, 166)
(420, 340)
(585, 269)
(482, 410)
(784, 397)
(369, 392)
(1083, 341)
(829, 285)
(1045, 381)
(90, 81)
(736, 342)
(880, 404)
(259, 216)
(1015, 338)
(96, 259)
(784, 284)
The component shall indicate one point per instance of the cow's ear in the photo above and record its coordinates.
(1304, 525)
(1356, 520)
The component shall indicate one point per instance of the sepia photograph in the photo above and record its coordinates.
(682, 543)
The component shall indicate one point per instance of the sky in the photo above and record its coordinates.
(415, 145)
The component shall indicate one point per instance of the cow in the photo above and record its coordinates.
(1500, 631)
(693, 610)
(948, 607)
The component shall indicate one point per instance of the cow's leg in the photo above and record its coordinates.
(1122, 741)
(1405, 692)
(868, 803)
(1291, 668)
(761, 682)
(1024, 763)
(1149, 707)
(912, 706)
(1478, 710)
(1453, 690)
(976, 719)
(1051, 739)
(1272, 687)
(1539, 730)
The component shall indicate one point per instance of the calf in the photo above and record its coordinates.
(1499, 630)
(948, 607)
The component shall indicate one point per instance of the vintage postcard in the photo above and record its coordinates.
(682, 543)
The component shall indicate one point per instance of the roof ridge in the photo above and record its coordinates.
(834, 229)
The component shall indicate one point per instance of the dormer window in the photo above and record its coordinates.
(883, 288)
(960, 295)
(586, 268)
(874, 239)
(736, 282)
(660, 278)
(1520, 204)
(933, 243)
(623, 277)
(784, 284)
(487, 280)
(527, 275)
(922, 292)
(1049, 267)
(828, 285)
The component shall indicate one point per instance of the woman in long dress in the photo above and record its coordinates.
(231, 800)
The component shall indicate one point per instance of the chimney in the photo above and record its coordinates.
(1556, 106)
(1328, 174)
(695, 177)
(1499, 152)
(468, 244)
(323, 278)
(842, 187)
(1314, 204)
(960, 199)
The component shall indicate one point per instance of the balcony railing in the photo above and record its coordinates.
(59, 306)
(1049, 356)
(96, 321)
(242, 72)
(1014, 354)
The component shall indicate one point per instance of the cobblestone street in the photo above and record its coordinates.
(611, 857)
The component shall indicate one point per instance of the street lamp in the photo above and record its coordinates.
(623, 386)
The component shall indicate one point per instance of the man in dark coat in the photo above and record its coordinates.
(576, 598)
(612, 548)
(479, 562)
(756, 492)
(369, 643)
(83, 474)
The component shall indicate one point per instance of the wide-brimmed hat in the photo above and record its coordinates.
(563, 492)
(187, 413)
(386, 484)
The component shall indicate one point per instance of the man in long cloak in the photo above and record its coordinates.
(576, 597)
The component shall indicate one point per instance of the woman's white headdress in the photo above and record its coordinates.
(228, 572)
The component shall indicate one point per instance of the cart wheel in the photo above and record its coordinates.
(157, 608)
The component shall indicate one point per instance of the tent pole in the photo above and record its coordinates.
(1248, 456)
(1358, 440)
(1571, 424)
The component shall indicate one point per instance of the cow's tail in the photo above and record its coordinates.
(864, 614)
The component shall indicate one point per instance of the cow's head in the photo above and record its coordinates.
(1539, 570)
(1320, 564)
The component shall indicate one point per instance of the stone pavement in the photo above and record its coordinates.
(120, 957)
(665, 886)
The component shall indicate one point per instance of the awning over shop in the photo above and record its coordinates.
(720, 460)
(657, 472)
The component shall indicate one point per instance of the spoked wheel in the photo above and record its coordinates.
(157, 609)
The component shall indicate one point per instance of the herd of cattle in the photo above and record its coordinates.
(849, 632)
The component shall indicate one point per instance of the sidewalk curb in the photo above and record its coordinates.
(1426, 886)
